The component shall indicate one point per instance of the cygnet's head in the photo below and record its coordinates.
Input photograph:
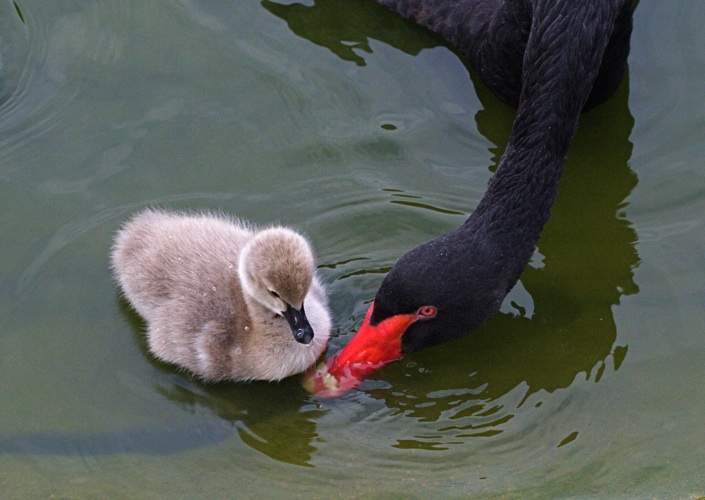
(276, 269)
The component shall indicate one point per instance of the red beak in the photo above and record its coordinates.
(370, 349)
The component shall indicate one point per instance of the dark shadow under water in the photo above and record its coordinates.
(587, 259)
(345, 27)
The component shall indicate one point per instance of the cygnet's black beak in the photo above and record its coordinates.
(300, 326)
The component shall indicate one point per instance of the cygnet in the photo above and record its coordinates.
(221, 298)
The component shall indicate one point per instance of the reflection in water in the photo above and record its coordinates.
(346, 31)
(277, 425)
(405, 200)
(268, 417)
(282, 429)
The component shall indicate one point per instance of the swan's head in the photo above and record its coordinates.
(439, 291)
(276, 269)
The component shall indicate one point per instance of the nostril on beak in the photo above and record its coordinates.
(304, 335)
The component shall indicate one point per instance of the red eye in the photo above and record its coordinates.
(426, 311)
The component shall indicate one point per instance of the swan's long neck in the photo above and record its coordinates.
(562, 58)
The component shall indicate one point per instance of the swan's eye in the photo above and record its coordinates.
(274, 294)
(427, 312)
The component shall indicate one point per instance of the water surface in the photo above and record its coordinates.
(371, 136)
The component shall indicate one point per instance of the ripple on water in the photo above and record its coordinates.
(13, 52)
(455, 433)
(29, 95)
(41, 63)
(355, 241)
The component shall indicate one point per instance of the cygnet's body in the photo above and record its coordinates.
(222, 299)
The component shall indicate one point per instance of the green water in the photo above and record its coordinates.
(371, 137)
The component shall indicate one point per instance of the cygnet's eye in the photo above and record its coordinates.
(274, 294)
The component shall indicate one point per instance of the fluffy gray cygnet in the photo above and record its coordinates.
(223, 299)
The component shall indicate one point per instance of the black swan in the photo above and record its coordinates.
(551, 58)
